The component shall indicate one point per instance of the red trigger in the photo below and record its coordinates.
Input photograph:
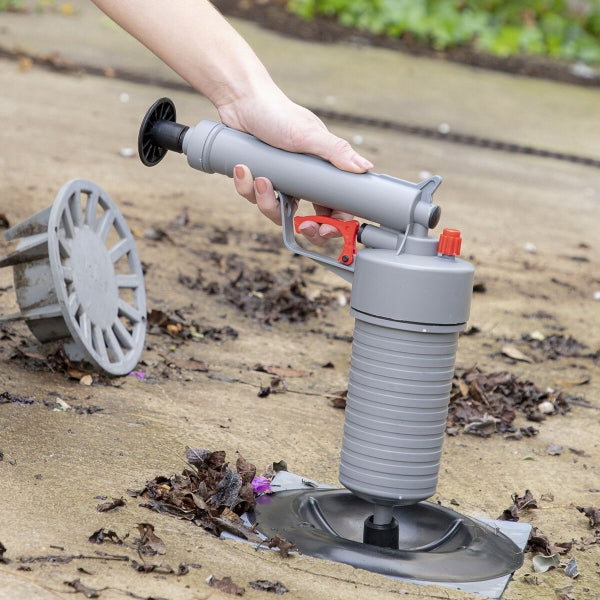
(348, 230)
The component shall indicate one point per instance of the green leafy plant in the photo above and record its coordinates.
(6, 5)
(565, 29)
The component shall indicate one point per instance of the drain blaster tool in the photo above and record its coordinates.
(410, 298)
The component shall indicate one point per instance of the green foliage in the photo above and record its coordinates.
(6, 5)
(564, 29)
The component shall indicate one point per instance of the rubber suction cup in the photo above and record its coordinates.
(432, 543)
(78, 279)
(159, 132)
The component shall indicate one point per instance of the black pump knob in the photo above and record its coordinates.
(159, 132)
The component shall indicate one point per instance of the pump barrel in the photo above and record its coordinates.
(214, 148)
(409, 310)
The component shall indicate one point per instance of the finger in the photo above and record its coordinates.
(266, 200)
(311, 231)
(341, 216)
(242, 178)
(329, 231)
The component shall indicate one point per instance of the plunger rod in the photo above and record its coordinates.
(383, 515)
(381, 529)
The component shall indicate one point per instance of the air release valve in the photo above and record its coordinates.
(449, 243)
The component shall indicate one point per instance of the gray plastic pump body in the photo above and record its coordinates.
(409, 302)
(408, 309)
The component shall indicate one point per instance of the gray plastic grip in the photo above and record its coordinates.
(395, 420)
(394, 203)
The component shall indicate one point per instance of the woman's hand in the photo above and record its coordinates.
(279, 122)
(194, 39)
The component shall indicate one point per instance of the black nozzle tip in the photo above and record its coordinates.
(160, 133)
(384, 536)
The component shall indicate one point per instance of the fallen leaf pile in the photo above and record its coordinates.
(10, 398)
(147, 545)
(486, 403)
(483, 404)
(520, 503)
(555, 346)
(55, 362)
(258, 293)
(177, 326)
(262, 295)
(55, 403)
(210, 493)
(539, 543)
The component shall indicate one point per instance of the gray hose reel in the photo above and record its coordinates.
(78, 279)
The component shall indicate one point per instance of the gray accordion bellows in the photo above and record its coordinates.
(396, 412)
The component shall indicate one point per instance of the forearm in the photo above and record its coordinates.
(193, 38)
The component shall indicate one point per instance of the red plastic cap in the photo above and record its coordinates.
(450, 242)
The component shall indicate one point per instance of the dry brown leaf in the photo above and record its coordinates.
(149, 544)
(88, 592)
(463, 387)
(515, 353)
(86, 380)
(592, 513)
(108, 506)
(191, 364)
(225, 585)
(24, 64)
(280, 371)
(581, 380)
(284, 546)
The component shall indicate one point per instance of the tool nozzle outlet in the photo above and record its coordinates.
(383, 535)
(159, 133)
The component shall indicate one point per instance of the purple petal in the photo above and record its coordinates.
(261, 485)
(138, 374)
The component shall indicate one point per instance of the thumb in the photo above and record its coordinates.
(340, 153)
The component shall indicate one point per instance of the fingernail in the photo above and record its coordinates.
(261, 185)
(308, 228)
(362, 163)
(328, 231)
(239, 172)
